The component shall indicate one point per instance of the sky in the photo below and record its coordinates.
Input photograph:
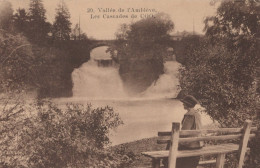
(182, 12)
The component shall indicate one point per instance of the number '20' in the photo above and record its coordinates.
(89, 10)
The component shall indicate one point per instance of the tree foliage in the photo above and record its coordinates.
(44, 135)
(38, 26)
(221, 70)
(62, 25)
(21, 21)
(145, 38)
(140, 48)
(77, 34)
(17, 63)
(6, 15)
(213, 74)
(234, 18)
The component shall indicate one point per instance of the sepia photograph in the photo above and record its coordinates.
(129, 83)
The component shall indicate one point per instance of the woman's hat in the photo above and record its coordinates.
(189, 100)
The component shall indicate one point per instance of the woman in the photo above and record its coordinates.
(191, 121)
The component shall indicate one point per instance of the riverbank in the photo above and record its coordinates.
(133, 151)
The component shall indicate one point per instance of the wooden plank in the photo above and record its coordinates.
(220, 160)
(207, 131)
(243, 143)
(207, 150)
(209, 138)
(205, 162)
(166, 139)
(174, 145)
(155, 163)
(224, 148)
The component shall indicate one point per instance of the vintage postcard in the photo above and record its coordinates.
(92, 83)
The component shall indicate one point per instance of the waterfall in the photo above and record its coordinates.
(167, 84)
(99, 79)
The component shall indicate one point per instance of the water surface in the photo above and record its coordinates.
(143, 114)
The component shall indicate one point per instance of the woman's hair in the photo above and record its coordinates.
(189, 101)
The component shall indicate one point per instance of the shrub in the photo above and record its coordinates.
(224, 84)
(222, 71)
(44, 135)
(17, 62)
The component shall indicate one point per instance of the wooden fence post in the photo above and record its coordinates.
(244, 142)
(220, 160)
(174, 145)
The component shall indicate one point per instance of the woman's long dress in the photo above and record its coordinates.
(191, 121)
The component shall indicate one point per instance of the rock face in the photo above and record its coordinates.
(137, 75)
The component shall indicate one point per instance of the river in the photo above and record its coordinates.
(144, 114)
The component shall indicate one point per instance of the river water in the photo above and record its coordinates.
(144, 114)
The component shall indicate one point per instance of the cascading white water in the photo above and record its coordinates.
(167, 84)
(143, 115)
(98, 82)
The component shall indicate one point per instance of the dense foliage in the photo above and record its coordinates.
(140, 48)
(38, 27)
(44, 135)
(221, 70)
(144, 39)
(25, 67)
(41, 134)
(62, 25)
(222, 82)
(17, 63)
(21, 21)
(234, 18)
(184, 45)
(35, 62)
(34, 25)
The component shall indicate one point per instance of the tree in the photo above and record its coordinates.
(237, 25)
(140, 49)
(234, 18)
(21, 20)
(77, 34)
(183, 47)
(62, 24)
(211, 75)
(145, 38)
(83, 36)
(39, 28)
(221, 70)
(6, 15)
